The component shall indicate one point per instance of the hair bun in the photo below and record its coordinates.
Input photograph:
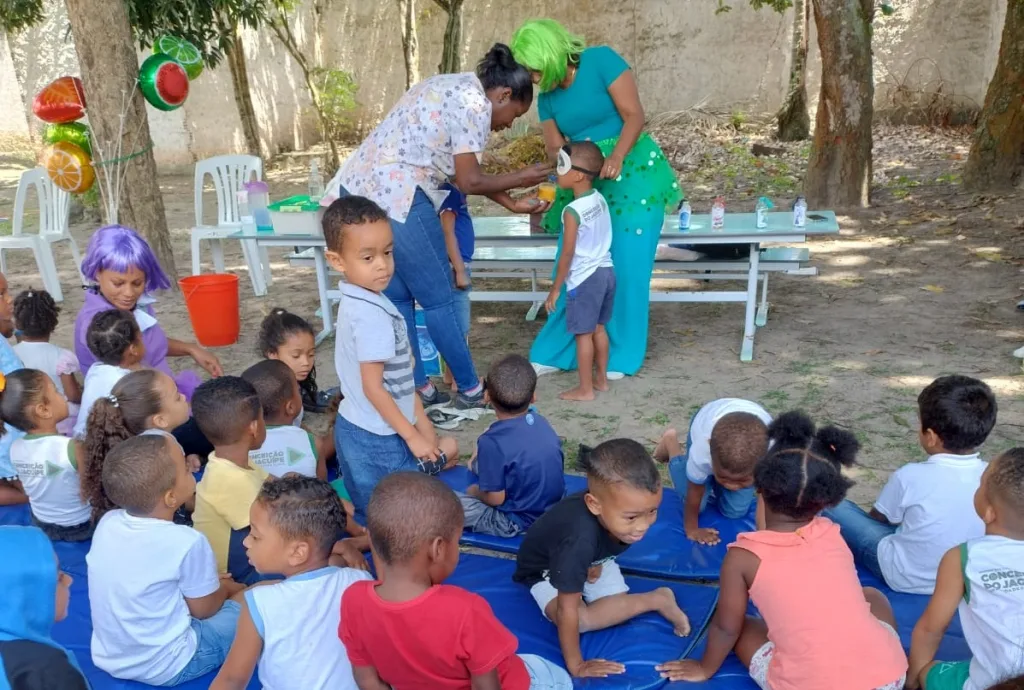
(501, 56)
(791, 429)
(841, 444)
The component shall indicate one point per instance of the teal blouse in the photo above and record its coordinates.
(585, 110)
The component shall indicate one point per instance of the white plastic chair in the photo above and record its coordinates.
(229, 173)
(54, 206)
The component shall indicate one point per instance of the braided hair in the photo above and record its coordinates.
(801, 476)
(35, 313)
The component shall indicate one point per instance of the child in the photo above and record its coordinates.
(585, 266)
(726, 439)
(229, 413)
(568, 556)
(381, 426)
(160, 613)
(459, 241)
(146, 402)
(36, 595)
(518, 459)
(826, 631)
(291, 628)
(982, 579)
(287, 448)
(45, 459)
(926, 508)
(35, 314)
(11, 491)
(407, 630)
(115, 340)
(291, 339)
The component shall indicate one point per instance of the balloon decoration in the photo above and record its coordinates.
(72, 132)
(183, 52)
(163, 82)
(69, 167)
(62, 100)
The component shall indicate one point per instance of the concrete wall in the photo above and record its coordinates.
(683, 55)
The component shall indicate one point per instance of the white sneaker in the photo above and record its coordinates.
(616, 375)
(1019, 352)
(542, 369)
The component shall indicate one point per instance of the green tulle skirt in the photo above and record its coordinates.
(638, 200)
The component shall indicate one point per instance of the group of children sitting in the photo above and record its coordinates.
(259, 566)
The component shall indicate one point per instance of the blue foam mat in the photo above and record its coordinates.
(908, 609)
(663, 552)
(640, 644)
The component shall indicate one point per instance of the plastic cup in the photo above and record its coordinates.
(546, 192)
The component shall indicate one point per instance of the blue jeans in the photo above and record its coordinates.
(424, 276)
(214, 635)
(365, 458)
(732, 504)
(545, 675)
(463, 307)
(861, 532)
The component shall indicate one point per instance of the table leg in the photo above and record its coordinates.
(749, 329)
(531, 315)
(323, 286)
(762, 311)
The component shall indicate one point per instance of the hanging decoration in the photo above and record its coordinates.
(163, 81)
(69, 167)
(183, 52)
(60, 101)
(73, 132)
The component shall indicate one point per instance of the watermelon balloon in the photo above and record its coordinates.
(163, 82)
(72, 132)
(62, 100)
(183, 52)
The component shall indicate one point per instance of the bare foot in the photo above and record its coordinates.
(668, 446)
(577, 394)
(672, 613)
(601, 383)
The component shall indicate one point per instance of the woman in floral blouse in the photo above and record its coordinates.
(438, 131)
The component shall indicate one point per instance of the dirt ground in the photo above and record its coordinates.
(922, 284)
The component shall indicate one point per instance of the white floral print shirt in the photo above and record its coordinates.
(416, 144)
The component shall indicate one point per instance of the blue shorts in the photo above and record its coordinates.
(589, 304)
(214, 636)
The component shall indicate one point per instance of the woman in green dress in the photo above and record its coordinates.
(591, 94)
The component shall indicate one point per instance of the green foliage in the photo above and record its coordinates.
(338, 99)
(16, 15)
(779, 6)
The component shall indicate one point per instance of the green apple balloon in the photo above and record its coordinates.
(72, 132)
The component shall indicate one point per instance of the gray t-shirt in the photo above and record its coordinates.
(370, 329)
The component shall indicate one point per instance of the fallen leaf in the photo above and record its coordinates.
(901, 421)
(934, 288)
(872, 353)
(904, 222)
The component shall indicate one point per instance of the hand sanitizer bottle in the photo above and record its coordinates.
(800, 212)
(718, 213)
(316, 183)
(684, 216)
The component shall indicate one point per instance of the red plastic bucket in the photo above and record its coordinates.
(212, 302)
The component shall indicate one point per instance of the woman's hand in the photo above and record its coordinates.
(535, 174)
(612, 167)
(207, 360)
(529, 204)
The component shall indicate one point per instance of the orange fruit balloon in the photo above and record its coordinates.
(62, 100)
(69, 167)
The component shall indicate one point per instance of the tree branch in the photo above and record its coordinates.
(444, 5)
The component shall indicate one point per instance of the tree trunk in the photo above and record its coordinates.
(451, 57)
(243, 96)
(110, 73)
(839, 170)
(997, 154)
(410, 41)
(794, 123)
(283, 30)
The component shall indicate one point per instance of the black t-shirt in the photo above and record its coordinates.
(562, 545)
(37, 666)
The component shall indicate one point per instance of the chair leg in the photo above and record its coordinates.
(3, 262)
(48, 270)
(196, 258)
(217, 246)
(251, 254)
(268, 279)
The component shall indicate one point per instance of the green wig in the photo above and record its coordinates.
(545, 46)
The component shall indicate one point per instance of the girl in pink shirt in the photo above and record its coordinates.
(820, 630)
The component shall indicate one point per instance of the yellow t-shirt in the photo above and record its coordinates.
(223, 498)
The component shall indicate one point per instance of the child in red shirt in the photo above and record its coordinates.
(410, 632)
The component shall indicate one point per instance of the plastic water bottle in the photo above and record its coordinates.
(800, 212)
(245, 212)
(316, 183)
(684, 215)
(718, 213)
(761, 212)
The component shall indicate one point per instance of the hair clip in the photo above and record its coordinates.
(832, 446)
(3, 383)
(113, 400)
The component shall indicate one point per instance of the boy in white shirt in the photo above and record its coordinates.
(982, 579)
(585, 267)
(289, 630)
(926, 508)
(160, 613)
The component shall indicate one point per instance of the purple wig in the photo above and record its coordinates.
(117, 248)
